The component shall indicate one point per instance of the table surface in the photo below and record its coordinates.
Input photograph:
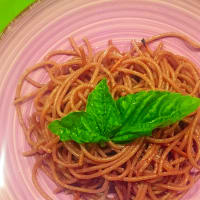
(10, 9)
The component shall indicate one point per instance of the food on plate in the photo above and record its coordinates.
(113, 124)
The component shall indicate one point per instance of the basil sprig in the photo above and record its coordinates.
(130, 117)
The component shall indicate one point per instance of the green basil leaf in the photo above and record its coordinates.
(144, 111)
(128, 137)
(56, 128)
(103, 108)
(77, 126)
(130, 117)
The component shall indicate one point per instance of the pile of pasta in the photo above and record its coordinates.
(164, 166)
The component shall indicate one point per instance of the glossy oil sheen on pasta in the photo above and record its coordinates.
(151, 168)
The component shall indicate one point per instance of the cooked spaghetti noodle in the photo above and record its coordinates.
(158, 167)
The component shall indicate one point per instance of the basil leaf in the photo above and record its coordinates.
(144, 111)
(128, 137)
(130, 117)
(56, 128)
(77, 126)
(103, 108)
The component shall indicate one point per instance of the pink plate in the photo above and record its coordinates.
(46, 26)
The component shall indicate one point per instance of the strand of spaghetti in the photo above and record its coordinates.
(129, 185)
(149, 51)
(127, 81)
(176, 188)
(70, 147)
(141, 194)
(166, 71)
(20, 118)
(82, 97)
(123, 160)
(179, 196)
(82, 55)
(69, 178)
(176, 35)
(111, 78)
(66, 85)
(186, 79)
(52, 142)
(81, 159)
(52, 77)
(189, 68)
(68, 95)
(171, 70)
(106, 53)
(102, 160)
(89, 48)
(31, 152)
(178, 150)
(101, 166)
(119, 62)
(74, 46)
(103, 171)
(25, 98)
(150, 151)
(75, 91)
(127, 71)
(35, 181)
(197, 150)
(172, 59)
(176, 172)
(59, 52)
(101, 152)
(137, 156)
(151, 194)
(119, 193)
(47, 105)
(196, 88)
(158, 49)
(27, 72)
(155, 65)
(69, 63)
(136, 48)
(186, 60)
(74, 188)
(28, 135)
(34, 83)
(75, 152)
(146, 162)
(122, 88)
(178, 160)
(177, 89)
(98, 167)
(168, 195)
(198, 153)
(141, 64)
(47, 171)
(97, 55)
(85, 177)
(65, 164)
(40, 93)
(119, 177)
(167, 140)
(167, 150)
(140, 178)
(185, 179)
(115, 146)
(190, 142)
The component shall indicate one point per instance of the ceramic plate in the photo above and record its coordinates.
(46, 26)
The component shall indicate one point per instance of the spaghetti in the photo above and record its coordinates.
(151, 168)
